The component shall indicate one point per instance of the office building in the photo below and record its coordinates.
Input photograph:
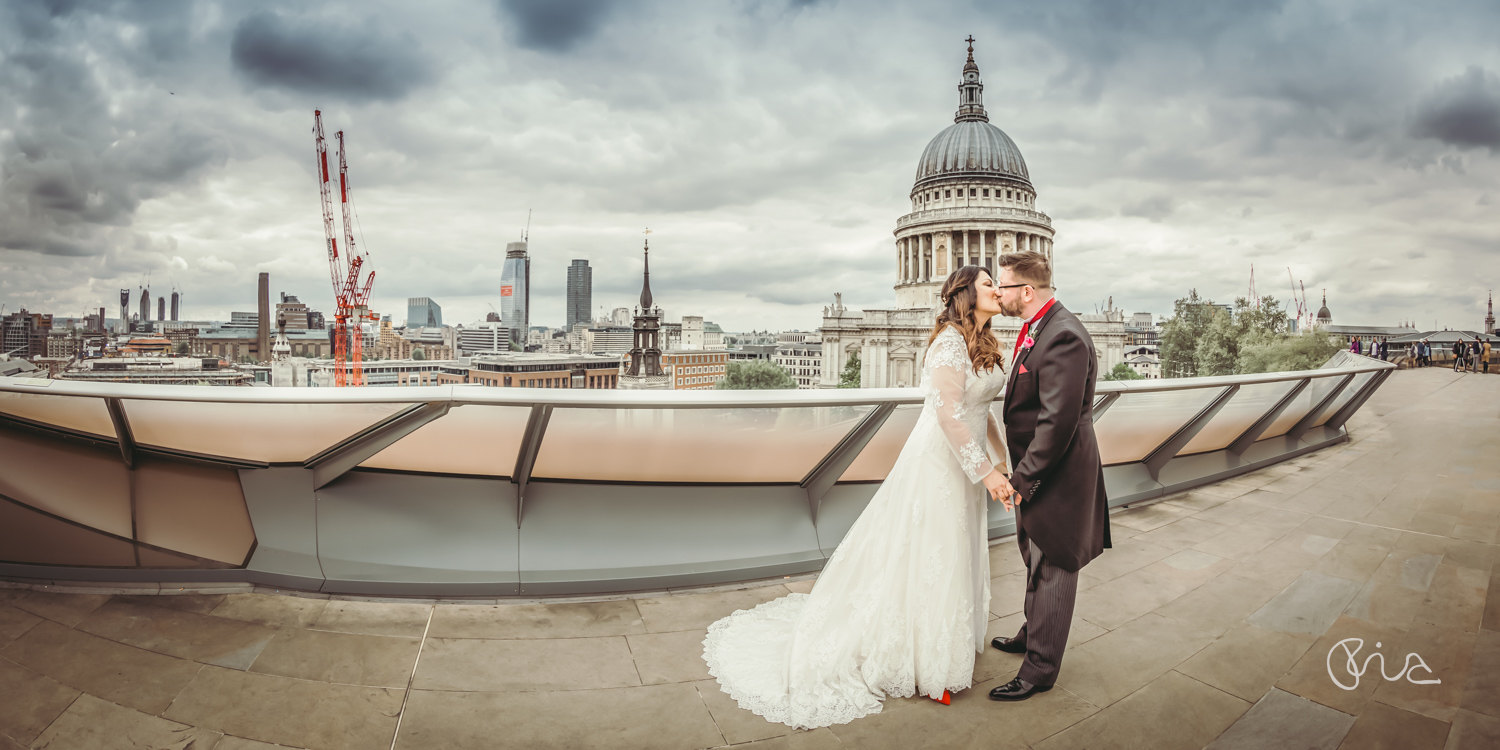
(515, 292)
(422, 312)
(489, 336)
(580, 292)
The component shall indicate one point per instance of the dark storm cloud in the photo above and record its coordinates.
(75, 165)
(554, 25)
(1463, 111)
(328, 59)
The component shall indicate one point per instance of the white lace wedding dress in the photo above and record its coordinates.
(902, 605)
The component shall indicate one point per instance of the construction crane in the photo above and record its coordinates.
(1299, 301)
(351, 297)
(1254, 298)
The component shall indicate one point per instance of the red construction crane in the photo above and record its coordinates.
(351, 298)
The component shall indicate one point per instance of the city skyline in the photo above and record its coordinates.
(771, 150)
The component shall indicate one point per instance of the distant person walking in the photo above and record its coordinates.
(1459, 350)
(1484, 356)
(1424, 353)
(1354, 345)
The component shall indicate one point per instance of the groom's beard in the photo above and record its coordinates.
(1011, 311)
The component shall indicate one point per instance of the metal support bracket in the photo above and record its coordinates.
(531, 444)
(122, 430)
(823, 476)
(1165, 452)
(352, 451)
(1103, 403)
(1342, 415)
(1306, 423)
(1249, 436)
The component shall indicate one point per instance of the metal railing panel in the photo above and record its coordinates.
(879, 455)
(270, 432)
(709, 446)
(1139, 422)
(473, 440)
(1349, 393)
(1250, 404)
(78, 413)
(1316, 391)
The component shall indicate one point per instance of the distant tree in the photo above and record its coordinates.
(1180, 335)
(1306, 351)
(1219, 344)
(850, 376)
(418, 354)
(1122, 371)
(182, 348)
(755, 375)
(1266, 319)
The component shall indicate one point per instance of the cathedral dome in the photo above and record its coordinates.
(971, 148)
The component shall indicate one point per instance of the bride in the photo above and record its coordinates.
(902, 605)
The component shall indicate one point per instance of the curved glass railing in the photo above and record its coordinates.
(466, 490)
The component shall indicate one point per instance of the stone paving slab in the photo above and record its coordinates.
(133, 677)
(1281, 720)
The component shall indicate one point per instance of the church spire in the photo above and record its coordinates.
(646, 280)
(971, 91)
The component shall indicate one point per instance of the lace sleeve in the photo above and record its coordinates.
(947, 369)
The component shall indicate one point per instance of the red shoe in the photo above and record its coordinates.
(946, 700)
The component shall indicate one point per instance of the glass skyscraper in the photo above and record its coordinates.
(422, 312)
(515, 292)
(580, 292)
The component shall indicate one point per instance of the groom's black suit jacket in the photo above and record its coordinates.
(1049, 431)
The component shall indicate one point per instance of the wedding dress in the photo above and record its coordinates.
(902, 605)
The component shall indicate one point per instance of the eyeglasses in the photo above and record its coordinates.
(1013, 286)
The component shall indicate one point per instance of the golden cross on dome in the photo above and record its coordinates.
(970, 40)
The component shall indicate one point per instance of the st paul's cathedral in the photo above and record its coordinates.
(972, 201)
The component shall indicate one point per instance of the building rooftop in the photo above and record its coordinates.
(1210, 621)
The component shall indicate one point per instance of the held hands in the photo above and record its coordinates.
(999, 488)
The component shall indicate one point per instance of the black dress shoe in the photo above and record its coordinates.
(1009, 645)
(1017, 690)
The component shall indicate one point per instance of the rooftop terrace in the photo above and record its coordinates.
(1209, 624)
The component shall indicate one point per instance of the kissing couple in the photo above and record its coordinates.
(902, 605)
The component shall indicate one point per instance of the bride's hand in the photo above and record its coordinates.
(999, 488)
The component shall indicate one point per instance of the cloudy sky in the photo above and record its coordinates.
(770, 146)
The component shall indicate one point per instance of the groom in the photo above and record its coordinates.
(1057, 487)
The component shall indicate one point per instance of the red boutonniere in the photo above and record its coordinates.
(1028, 343)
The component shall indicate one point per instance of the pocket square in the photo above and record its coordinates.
(1022, 370)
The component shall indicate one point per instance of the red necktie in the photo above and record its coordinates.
(1027, 326)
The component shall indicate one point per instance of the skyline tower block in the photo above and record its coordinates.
(422, 312)
(580, 292)
(515, 292)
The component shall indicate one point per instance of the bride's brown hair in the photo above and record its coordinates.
(959, 299)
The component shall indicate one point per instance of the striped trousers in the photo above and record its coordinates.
(1050, 595)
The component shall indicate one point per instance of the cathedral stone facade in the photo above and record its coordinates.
(972, 202)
